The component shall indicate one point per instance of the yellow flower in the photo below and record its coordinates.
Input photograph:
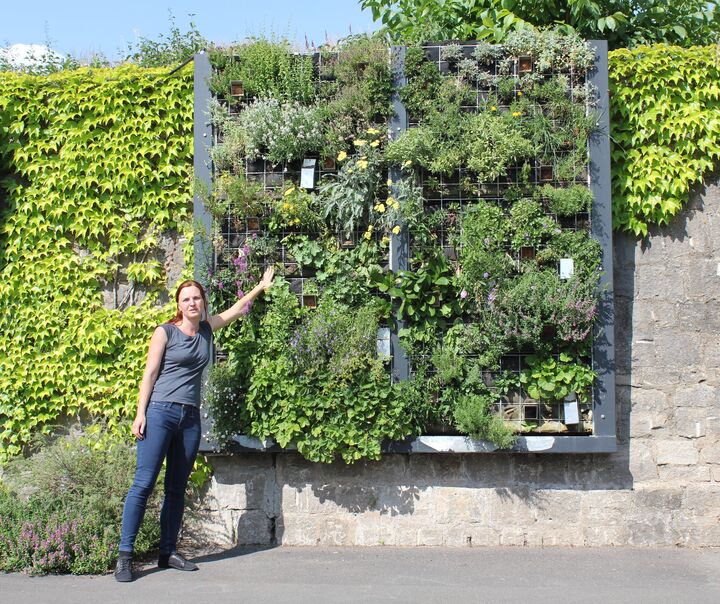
(360, 142)
(285, 205)
(290, 190)
(389, 182)
(362, 164)
(342, 156)
(350, 171)
(520, 93)
(367, 235)
(395, 205)
(516, 114)
(407, 164)
(380, 208)
(396, 230)
(296, 221)
(385, 240)
(493, 108)
(373, 131)
(371, 228)
(374, 143)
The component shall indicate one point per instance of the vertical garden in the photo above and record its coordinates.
(466, 234)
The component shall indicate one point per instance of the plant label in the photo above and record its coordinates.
(572, 416)
(383, 341)
(567, 268)
(307, 174)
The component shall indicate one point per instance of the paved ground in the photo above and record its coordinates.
(386, 574)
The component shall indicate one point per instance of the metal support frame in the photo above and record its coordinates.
(202, 166)
(603, 439)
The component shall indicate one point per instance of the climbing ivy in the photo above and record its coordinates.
(665, 130)
(95, 165)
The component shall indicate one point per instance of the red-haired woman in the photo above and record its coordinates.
(167, 423)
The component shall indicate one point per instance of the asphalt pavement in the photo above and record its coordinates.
(389, 574)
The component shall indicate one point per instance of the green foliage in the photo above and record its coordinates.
(665, 130)
(552, 379)
(265, 69)
(321, 386)
(621, 22)
(94, 166)
(168, 50)
(566, 201)
(61, 509)
(474, 415)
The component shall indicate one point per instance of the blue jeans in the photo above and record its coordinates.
(172, 431)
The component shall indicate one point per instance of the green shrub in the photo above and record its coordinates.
(474, 415)
(61, 508)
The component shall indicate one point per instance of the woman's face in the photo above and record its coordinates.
(190, 302)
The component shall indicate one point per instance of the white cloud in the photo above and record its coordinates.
(29, 55)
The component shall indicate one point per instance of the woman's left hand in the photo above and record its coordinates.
(267, 278)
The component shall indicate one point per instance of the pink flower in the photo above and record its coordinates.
(463, 294)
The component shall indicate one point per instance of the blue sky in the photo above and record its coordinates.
(84, 28)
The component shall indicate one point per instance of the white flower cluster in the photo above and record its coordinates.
(281, 132)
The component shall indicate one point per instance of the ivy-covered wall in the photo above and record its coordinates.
(665, 130)
(95, 167)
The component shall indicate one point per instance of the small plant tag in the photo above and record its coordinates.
(567, 268)
(307, 174)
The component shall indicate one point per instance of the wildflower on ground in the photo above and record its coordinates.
(342, 156)
(517, 113)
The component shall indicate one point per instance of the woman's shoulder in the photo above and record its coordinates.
(206, 327)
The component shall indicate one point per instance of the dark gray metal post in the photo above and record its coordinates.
(399, 244)
(604, 335)
(202, 140)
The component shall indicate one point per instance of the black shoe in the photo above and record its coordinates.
(175, 561)
(123, 570)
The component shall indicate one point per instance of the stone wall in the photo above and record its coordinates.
(661, 488)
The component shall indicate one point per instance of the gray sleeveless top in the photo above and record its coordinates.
(182, 365)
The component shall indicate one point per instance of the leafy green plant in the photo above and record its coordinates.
(529, 225)
(61, 508)
(552, 379)
(474, 414)
(566, 201)
(266, 68)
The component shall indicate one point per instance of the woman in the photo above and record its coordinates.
(167, 423)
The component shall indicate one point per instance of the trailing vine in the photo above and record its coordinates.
(95, 165)
(665, 129)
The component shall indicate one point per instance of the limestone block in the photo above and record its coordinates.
(367, 528)
(646, 400)
(689, 422)
(703, 499)
(512, 535)
(679, 452)
(649, 532)
(683, 475)
(695, 395)
(430, 536)
(658, 498)
(211, 531)
(603, 536)
(564, 536)
(647, 375)
(712, 426)
(296, 529)
(677, 350)
(657, 281)
(254, 528)
(710, 453)
(642, 462)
